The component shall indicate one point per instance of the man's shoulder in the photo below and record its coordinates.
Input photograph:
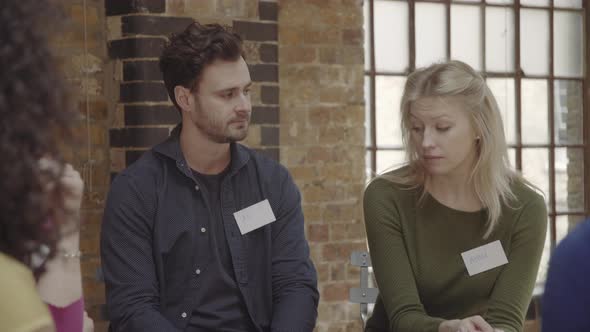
(270, 167)
(576, 246)
(148, 166)
(148, 161)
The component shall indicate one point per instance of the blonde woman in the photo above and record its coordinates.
(455, 235)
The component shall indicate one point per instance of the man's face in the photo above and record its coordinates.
(222, 105)
(443, 136)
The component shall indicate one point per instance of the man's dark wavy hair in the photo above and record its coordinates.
(34, 113)
(186, 54)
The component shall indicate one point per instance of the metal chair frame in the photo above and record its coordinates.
(364, 295)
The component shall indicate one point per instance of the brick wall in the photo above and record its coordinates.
(322, 139)
(81, 51)
(571, 100)
(137, 31)
(313, 123)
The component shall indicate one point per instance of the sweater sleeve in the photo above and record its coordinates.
(397, 287)
(68, 318)
(513, 289)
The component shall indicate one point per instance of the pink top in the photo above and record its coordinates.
(69, 318)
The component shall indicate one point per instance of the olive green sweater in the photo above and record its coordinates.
(416, 251)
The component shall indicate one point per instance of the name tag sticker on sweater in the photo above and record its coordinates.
(484, 258)
(254, 216)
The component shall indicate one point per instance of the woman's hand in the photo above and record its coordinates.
(70, 181)
(73, 190)
(61, 284)
(88, 323)
(469, 324)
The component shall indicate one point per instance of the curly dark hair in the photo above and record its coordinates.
(186, 54)
(34, 118)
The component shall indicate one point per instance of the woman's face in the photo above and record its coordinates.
(443, 135)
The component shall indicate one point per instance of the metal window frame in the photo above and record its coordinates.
(518, 76)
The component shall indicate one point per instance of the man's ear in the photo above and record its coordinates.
(184, 97)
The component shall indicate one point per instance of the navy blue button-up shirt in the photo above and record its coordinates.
(154, 250)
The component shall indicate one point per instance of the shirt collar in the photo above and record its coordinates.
(171, 148)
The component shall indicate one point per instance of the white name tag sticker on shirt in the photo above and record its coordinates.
(254, 216)
(484, 258)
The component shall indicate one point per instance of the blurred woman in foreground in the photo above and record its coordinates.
(40, 193)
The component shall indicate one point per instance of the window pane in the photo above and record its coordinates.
(568, 112)
(391, 36)
(431, 37)
(500, 1)
(503, 90)
(368, 166)
(512, 157)
(466, 35)
(534, 2)
(389, 92)
(534, 37)
(567, 50)
(574, 221)
(368, 128)
(367, 40)
(561, 227)
(542, 274)
(568, 3)
(388, 160)
(535, 168)
(569, 179)
(534, 112)
(499, 39)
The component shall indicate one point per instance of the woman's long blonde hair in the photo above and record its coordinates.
(491, 175)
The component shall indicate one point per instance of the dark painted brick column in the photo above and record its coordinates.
(147, 114)
(144, 113)
(265, 71)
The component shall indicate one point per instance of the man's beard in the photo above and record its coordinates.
(226, 136)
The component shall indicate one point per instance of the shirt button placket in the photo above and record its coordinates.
(198, 271)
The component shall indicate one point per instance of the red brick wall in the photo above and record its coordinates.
(82, 53)
(306, 60)
(322, 140)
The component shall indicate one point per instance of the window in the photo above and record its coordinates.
(533, 56)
